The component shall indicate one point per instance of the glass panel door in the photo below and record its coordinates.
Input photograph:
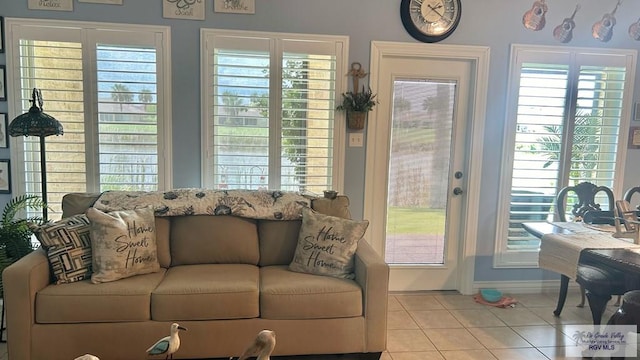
(419, 166)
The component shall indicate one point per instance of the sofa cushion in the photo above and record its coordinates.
(77, 203)
(207, 292)
(123, 244)
(327, 244)
(286, 294)
(338, 207)
(163, 231)
(278, 241)
(83, 302)
(68, 246)
(205, 239)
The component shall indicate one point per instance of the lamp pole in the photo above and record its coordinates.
(43, 173)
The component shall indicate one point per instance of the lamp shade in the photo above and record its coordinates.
(35, 122)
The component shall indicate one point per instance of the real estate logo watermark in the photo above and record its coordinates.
(606, 340)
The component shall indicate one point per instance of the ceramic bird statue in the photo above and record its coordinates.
(168, 345)
(87, 357)
(262, 346)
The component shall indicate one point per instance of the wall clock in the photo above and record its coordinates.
(430, 20)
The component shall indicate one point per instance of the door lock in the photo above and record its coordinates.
(457, 191)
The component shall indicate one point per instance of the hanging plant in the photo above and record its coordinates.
(357, 105)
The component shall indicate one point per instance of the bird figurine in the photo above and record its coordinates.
(87, 357)
(262, 346)
(168, 345)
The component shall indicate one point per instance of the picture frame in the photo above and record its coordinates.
(634, 137)
(112, 2)
(4, 133)
(1, 34)
(235, 6)
(183, 9)
(52, 5)
(5, 176)
(3, 83)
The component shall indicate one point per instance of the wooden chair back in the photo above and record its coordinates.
(629, 194)
(586, 193)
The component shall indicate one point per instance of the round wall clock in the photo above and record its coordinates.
(430, 20)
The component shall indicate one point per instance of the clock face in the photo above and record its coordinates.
(430, 20)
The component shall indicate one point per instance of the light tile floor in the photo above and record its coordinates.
(443, 325)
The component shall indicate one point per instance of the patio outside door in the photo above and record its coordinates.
(424, 162)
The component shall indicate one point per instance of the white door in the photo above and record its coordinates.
(424, 117)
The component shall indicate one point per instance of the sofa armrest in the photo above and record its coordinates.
(21, 281)
(372, 274)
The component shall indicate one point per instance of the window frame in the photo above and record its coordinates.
(339, 128)
(528, 258)
(89, 34)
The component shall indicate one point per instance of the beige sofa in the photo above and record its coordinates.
(223, 290)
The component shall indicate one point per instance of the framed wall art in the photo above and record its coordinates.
(112, 2)
(183, 9)
(235, 6)
(1, 34)
(634, 137)
(4, 134)
(5, 177)
(3, 83)
(54, 5)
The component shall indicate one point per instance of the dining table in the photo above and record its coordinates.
(566, 245)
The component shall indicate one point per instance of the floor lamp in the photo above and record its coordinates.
(36, 123)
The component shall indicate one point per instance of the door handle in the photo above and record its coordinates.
(457, 191)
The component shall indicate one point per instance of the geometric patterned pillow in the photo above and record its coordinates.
(68, 247)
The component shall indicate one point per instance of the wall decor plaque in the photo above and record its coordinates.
(235, 6)
(55, 5)
(113, 2)
(183, 9)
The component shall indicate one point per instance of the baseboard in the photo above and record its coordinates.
(523, 287)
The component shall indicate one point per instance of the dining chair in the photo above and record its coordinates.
(629, 194)
(586, 193)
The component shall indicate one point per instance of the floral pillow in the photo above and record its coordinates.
(68, 246)
(327, 245)
(124, 244)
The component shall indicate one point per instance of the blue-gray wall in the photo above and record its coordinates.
(493, 23)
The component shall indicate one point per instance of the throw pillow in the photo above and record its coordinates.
(123, 243)
(68, 248)
(327, 244)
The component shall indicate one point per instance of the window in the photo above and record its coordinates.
(268, 117)
(106, 85)
(567, 112)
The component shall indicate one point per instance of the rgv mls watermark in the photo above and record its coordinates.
(606, 340)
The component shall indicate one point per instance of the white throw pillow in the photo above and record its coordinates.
(123, 244)
(327, 245)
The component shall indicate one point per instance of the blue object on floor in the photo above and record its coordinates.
(491, 295)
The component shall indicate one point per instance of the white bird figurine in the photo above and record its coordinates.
(262, 346)
(87, 357)
(167, 345)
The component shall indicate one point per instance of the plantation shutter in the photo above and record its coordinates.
(568, 126)
(103, 87)
(541, 109)
(53, 63)
(308, 92)
(127, 117)
(270, 112)
(240, 93)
